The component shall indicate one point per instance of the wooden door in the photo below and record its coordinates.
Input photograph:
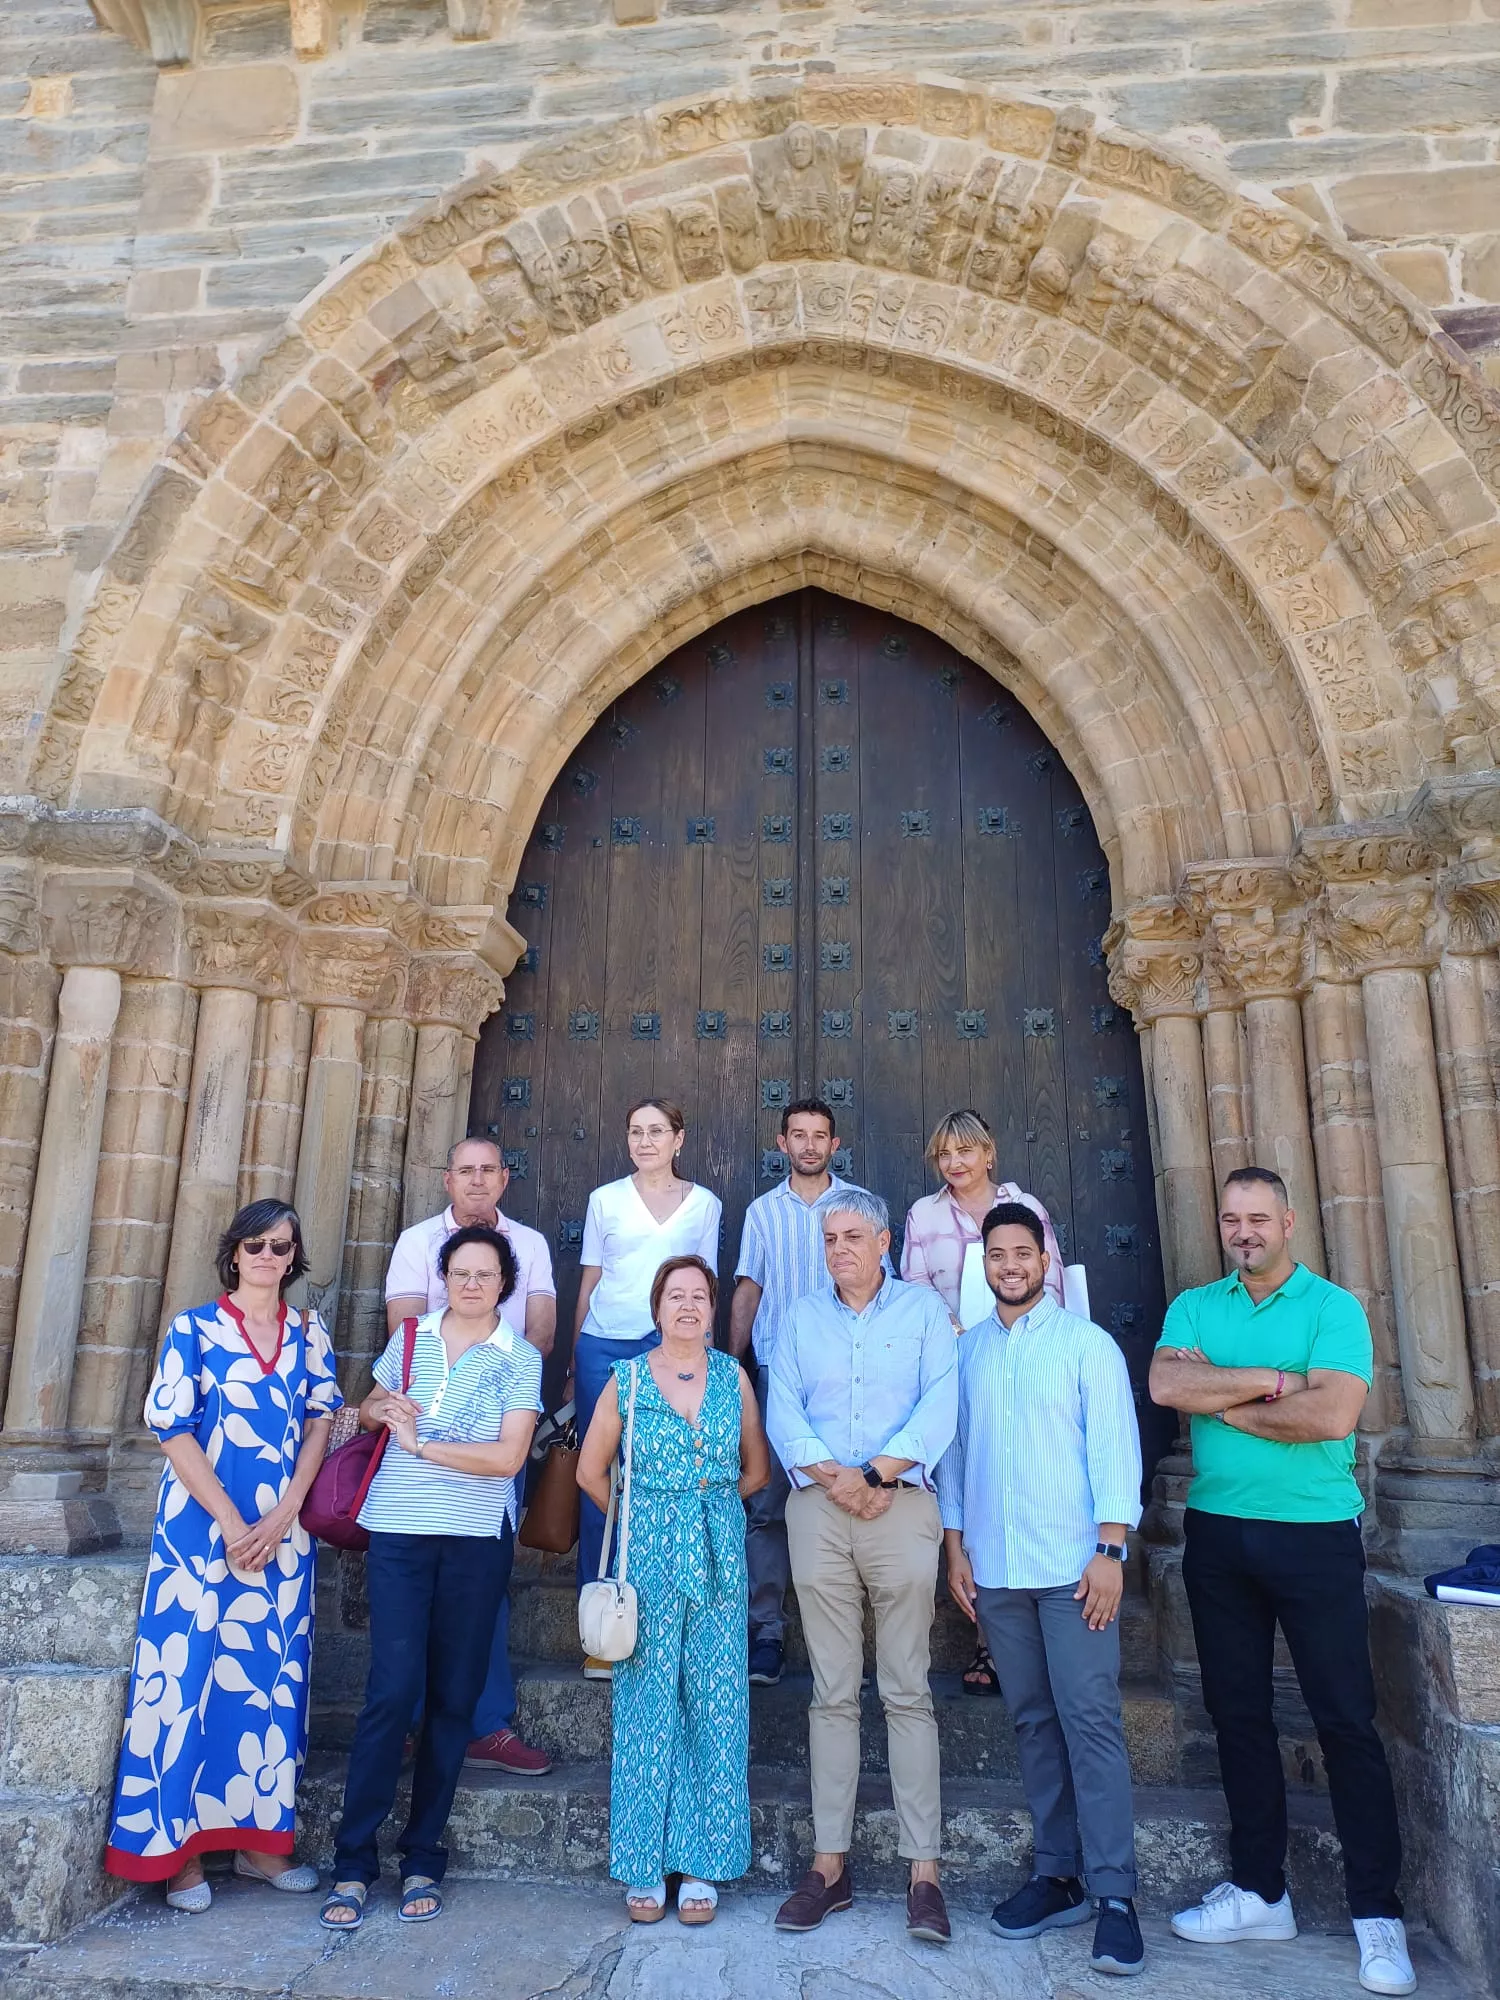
(819, 852)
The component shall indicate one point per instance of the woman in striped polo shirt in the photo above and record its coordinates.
(441, 1513)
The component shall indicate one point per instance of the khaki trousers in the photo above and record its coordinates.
(835, 1561)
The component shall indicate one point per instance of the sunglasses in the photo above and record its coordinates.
(278, 1246)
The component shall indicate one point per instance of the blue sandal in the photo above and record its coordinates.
(344, 1896)
(419, 1889)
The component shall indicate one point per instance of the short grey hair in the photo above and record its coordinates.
(475, 1139)
(855, 1201)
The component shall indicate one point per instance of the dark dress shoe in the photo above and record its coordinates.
(813, 1899)
(927, 1914)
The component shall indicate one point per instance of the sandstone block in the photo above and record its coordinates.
(50, 1878)
(1424, 272)
(1444, 97)
(164, 291)
(1457, 201)
(1481, 268)
(210, 111)
(61, 1727)
(1241, 107)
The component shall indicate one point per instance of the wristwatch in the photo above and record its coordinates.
(1114, 1550)
(873, 1478)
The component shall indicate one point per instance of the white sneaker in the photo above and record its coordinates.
(1384, 1965)
(1228, 1915)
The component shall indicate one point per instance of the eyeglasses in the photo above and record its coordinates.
(278, 1246)
(473, 1277)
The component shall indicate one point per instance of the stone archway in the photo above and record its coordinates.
(1181, 470)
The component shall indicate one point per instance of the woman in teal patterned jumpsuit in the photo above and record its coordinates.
(679, 1782)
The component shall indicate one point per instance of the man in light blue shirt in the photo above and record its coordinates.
(1043, 1480)
(863, 1403)
(781, 1260)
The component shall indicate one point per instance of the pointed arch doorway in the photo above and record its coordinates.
(817, 851)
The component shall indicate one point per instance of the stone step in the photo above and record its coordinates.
(50, 1877)
(60, 1727)
(557, 1828)
(544, 1620)
(70, 1611)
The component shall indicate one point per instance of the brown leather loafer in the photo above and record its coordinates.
(927, 1913)
(813, 1899)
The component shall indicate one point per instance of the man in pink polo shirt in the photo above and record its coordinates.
(475, 1181)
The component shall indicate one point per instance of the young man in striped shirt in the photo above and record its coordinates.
(1037, 1492)
(781, 1261)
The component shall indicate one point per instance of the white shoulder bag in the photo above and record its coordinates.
(607, 1609)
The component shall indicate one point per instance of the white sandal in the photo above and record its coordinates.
(193, 1902)
(691, 1890)
(291, 1881)
(655, 1899)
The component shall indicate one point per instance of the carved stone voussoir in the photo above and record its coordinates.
(119, 918)
(361, 969)
(458, 991)
(239, 946)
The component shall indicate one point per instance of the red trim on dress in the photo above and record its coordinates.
(211, 1840)
(227, 1305)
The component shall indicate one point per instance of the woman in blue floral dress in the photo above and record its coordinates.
(679, 1783)
(216, 1719)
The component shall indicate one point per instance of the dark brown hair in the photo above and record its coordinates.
(659, 1282)
(670, 1111)
(259, 1218)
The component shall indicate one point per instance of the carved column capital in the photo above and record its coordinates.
(1471, 902)
(458, 992)
(1376, 906)
(1461, 813)
(363, 970)
(121, 918)
(1154, 959)
(241, 945)
(20, 931)
(1258, 954)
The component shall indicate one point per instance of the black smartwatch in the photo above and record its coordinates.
(873, 1478)
(1114, 1550)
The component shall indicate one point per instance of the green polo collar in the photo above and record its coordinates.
(1291, 1288)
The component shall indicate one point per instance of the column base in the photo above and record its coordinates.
(49, 1514)
(1431, 1509)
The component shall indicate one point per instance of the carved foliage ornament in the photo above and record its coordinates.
(458, 991)
(239, 948)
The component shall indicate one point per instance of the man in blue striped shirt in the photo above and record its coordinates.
(781, 1261)
(1037, 1492)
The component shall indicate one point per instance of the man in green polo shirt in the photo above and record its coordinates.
(1274, 1363)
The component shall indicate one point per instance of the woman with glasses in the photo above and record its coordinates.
(441, 1514)
(630, 1229)
(216, 1716)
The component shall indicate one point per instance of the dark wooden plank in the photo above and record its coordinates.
(729, 1112)
(634, 836)
(995, 737)
(831, 852)
(768, 663)
(1047, 1168)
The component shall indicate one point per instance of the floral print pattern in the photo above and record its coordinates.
(216, 1721)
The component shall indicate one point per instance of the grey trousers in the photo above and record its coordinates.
(1061, 1683)
(766, 1554)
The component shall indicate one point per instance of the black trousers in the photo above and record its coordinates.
(1242, 1579)
(433, 1600)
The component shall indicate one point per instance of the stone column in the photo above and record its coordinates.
(325, 1156)
(208, 1184)
(46, 1509)
(432, 1128)
(1465, 989)
(1418, 1209)
(1154, 964)
(139, 1152)
(67, 1168)
(1224, 1065)
(1349, 1173)
(375, 1194)
(28, 1010)
(273, 1119)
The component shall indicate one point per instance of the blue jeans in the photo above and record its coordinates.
(433, 1600)
(593, 1359)
(497, 1704)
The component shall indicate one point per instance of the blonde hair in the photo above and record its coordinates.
(960, 1128)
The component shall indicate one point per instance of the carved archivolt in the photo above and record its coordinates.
(1016, 364)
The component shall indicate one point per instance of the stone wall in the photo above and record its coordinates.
(155, 224)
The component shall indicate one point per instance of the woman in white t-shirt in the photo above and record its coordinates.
(632, 1226)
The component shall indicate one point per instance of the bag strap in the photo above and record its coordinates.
(614, 1493)
(408, 1353)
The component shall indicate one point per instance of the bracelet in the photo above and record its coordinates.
(1280, 1390)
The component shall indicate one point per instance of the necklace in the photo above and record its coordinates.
(687, 1374)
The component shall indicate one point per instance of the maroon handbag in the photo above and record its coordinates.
(331, 1509)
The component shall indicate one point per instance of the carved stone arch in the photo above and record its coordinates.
(909, 268)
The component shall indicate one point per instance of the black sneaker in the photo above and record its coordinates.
(765, 1663)
(1047, 1903)
(1117, 1938)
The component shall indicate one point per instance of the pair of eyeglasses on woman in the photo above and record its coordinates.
(473, 1277)
(278, 1245)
